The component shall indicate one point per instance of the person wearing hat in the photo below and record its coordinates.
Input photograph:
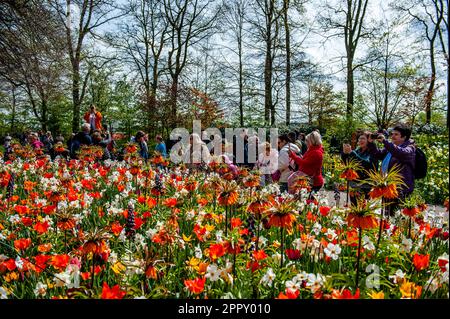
(94, 118)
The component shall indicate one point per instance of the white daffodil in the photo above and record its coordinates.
(317, 228)
(398, 276)
(40, 290)
(268, 278)
(212, 272)
(332, 251)
(315, 282)
(367, 243)
(300, 277)
(406, 244)
(198, 252)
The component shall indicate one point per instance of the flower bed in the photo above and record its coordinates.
(82, 229)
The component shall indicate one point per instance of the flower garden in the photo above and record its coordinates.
(113, 230)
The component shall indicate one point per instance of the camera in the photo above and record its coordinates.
(374, 136)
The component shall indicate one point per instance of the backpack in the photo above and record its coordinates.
(421, 168)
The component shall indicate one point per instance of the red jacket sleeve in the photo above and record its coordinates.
(295, 157)
(309, 160)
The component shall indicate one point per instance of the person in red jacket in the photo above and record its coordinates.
(311, 162)
(94, 118)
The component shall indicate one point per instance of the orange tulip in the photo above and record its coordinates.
(60, 262)
(112, 293)
(259, 255)
(216, 251)
(421, 262)
(41, 228)
(290, 294)
(22, 243)
(196, 285)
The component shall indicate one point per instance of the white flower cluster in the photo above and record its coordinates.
(49, 184)
(3, 293)
(133, 266)
(268, 278)
(435, 219)
(70, 278)
(436, 281)
(115, 206)
(297, 282)
(214, 273)
(315, 282)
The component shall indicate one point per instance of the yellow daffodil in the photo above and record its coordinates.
(118, 268)
(193, 262)
(376, 295)
(187, 238)
(410, 290)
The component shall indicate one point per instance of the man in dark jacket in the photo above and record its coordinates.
(401, 151)
(81, 138)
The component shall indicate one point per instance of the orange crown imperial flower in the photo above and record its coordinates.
(385, 185)
(349, 174)
(228, 195)
(282, 213)
(362, 216)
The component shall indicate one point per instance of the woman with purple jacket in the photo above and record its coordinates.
(402, 151)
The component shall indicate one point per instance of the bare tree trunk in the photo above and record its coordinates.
(268, 82)
(430, 91)
(288, 62)
(350, 88)
(386, 89)
(173, 101)
(44, 121)
(241, 80)
(13, 104)
(76, 98)
(355, 13)
(310, 119)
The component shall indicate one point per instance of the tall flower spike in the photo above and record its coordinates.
(129, 227)
(158, 184)
(385, 185)
(349, 170)
(10, 187)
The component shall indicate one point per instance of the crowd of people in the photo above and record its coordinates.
(296, 156)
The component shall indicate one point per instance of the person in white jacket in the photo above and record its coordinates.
(267, 162)
(197, 152)
(285, 164)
